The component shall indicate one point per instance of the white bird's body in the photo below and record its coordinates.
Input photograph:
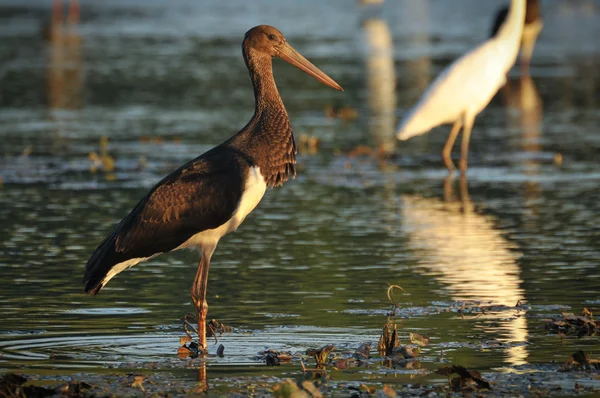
(467, 86)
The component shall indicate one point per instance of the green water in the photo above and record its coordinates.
(311, 265)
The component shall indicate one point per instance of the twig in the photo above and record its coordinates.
(214, 333)
(187, 324)
(389, 293)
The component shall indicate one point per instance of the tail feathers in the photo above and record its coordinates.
(99, 265)
(106, 262)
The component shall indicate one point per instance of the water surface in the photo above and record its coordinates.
(150, 86)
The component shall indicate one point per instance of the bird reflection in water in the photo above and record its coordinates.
(380, 76)
(524, 110)
(462, 250)
(65, 75)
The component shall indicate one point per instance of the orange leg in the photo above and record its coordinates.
(464, 151)
(447, 151)
(199, 296)
(203, 387)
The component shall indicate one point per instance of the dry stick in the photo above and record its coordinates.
(389, 292)
(214, 333)
(187, 324)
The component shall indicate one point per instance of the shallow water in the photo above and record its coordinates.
(312, 264)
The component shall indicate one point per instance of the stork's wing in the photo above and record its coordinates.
(195, 198)
(200, 195)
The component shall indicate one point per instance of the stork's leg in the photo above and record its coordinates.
(447, 151)
(199, 296)
(202, 379)
(464, 147)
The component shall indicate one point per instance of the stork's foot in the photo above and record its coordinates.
(188, 347)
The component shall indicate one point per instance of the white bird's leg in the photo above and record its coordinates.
(448, 188)
(464, 147)
(447, 151)
(199, 296)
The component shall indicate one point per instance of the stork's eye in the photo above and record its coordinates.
(272, 36)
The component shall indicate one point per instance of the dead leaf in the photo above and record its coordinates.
(289, 389)
(465, 376)
(367, 389)
(321, 355)
(363, 351)
(583, 325)
(311, 388)
(184, 352)
(137, 382)
(389, 391)
(184, 339)
(406, 352)
(419, 340)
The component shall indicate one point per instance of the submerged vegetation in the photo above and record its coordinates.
(317, 371)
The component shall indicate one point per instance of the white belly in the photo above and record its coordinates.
(253, 192)
(207, 240)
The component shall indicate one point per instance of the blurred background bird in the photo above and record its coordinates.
(531, 30)
(466, 87)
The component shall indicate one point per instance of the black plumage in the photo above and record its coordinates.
(206, 193)
(179, 206)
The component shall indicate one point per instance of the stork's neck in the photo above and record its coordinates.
(268, 137)
(266, 95)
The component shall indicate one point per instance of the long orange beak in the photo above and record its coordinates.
(288, 54)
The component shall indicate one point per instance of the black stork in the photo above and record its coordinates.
(209, 197)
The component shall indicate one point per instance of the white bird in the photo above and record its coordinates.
(466, 87)
(531, 30)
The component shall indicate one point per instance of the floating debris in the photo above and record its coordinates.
(290, 389)
(321, 355)
(183, 340)
(191, 350)
(214, 328)
(419, 340)
(465, 379)
(361, 150)
(388, 391)
(221, 351)
(12, 385)
(308, 144)
(138, 382)
(405, 352)
(345, 113)
(582, 325)
(363, 351)
(558, 159)
(273, 357)
(580, 361)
